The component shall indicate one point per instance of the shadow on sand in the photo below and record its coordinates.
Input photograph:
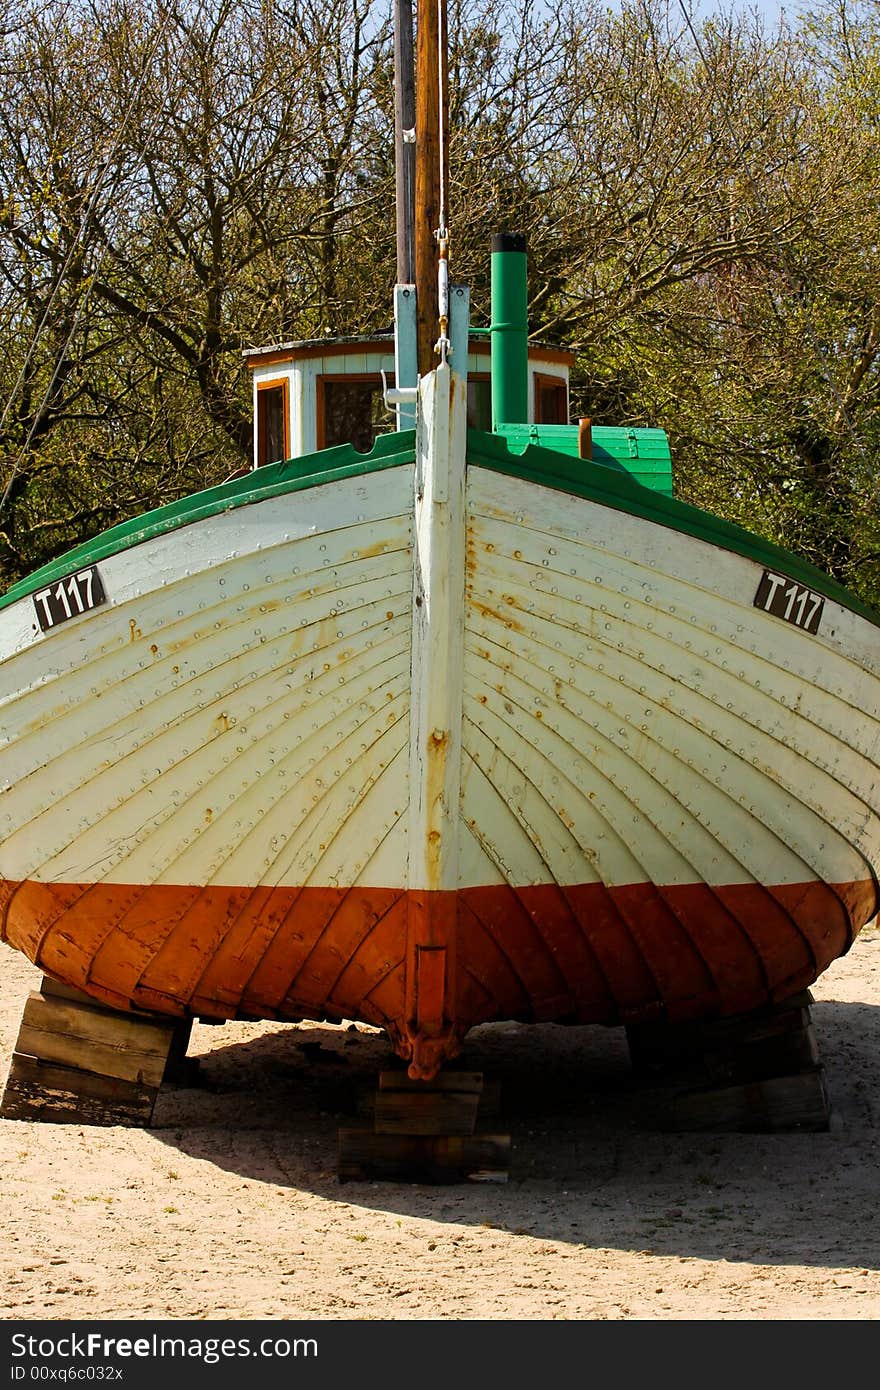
(585, 1168)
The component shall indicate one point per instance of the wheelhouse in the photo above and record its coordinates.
(312, 395)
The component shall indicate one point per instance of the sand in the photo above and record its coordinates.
(229, 1207)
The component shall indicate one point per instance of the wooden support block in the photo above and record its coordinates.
(774, 1105)
(90, 1039)
(443, 1081)
(427, 1112)
(180, 1070)
(42, 1091)
(79, 1062)
(783, 1055)
(489, 1107)
(363, 1154)
(657, 1048)
(445, 1105)
(55, 989)
(757, 1072)
(446, 1084)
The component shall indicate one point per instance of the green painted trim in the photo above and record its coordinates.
(582, 478)
(619, 491)
(272, 480)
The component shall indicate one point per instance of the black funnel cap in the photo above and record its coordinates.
(508, 241)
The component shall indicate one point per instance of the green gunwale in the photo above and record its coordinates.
(606, 486)
(619, 491)
(272, 480)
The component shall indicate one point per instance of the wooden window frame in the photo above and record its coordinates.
(351, 379)
(545, 379)
(483, 378)
(284, 383)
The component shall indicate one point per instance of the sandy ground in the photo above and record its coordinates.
(230, 1207)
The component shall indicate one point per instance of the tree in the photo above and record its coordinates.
(165, 185)
(725, 283)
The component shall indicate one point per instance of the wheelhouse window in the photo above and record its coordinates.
(273, 443)
(551, 400)
(479, 401)
(351, 410)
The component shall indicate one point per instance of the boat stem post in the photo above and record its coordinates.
(435, 722)
(509, 331)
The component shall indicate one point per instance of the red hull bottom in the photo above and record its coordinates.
(429, 966)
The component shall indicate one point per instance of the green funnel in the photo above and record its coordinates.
(509, 331)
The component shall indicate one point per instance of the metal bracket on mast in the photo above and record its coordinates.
(459, 327)
(403, 396)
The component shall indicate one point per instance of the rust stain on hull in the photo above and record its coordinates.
(428, 966)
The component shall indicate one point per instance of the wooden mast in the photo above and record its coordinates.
(404, 143)
(431, 109)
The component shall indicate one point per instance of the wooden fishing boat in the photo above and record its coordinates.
(478, 725)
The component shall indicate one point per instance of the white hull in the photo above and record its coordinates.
(432, 752)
